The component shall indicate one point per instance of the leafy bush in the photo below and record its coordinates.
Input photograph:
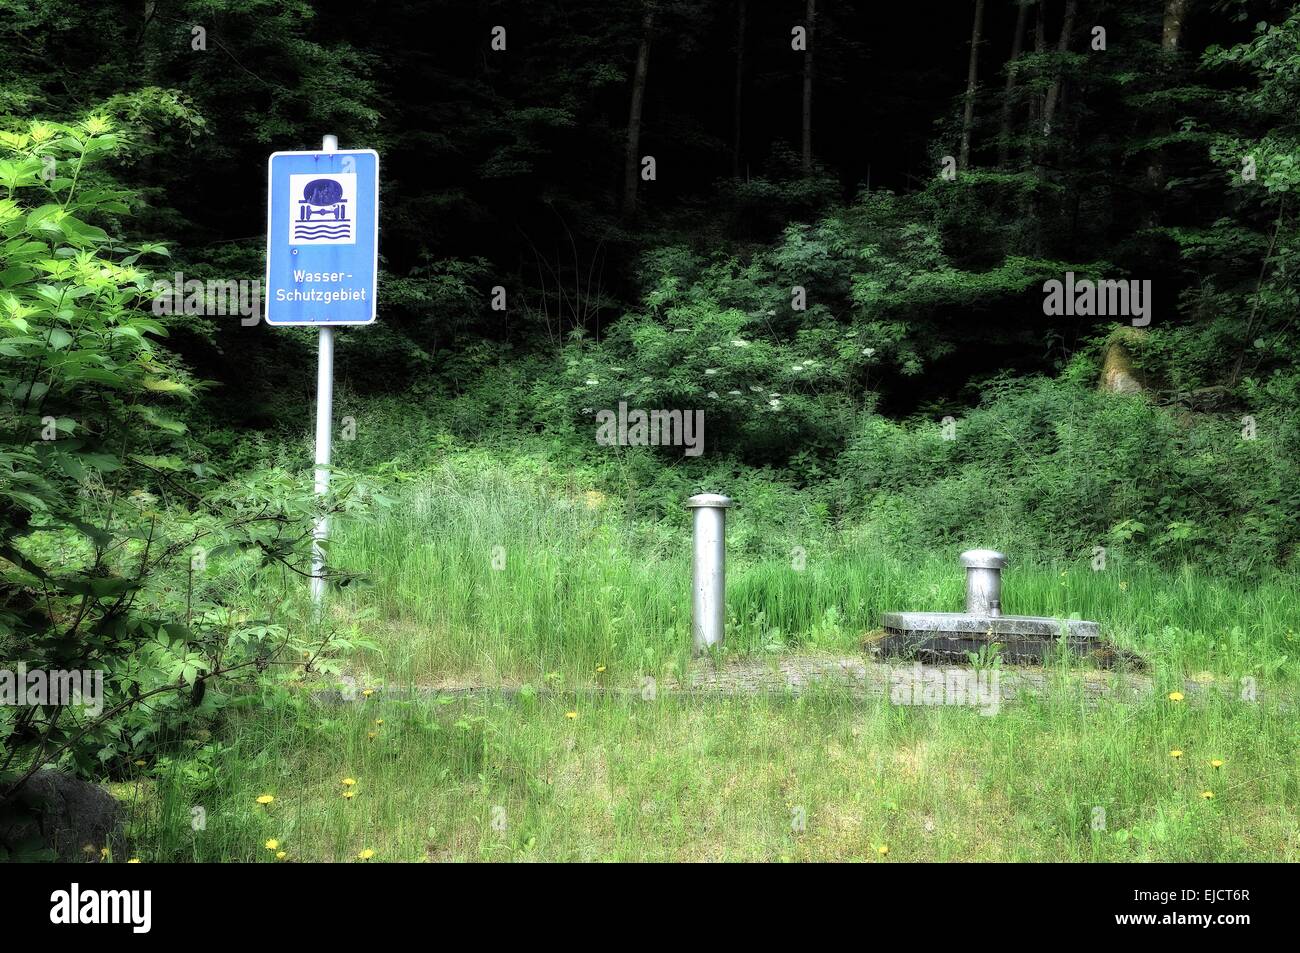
(119, 550)
(1053, 468)
(782, 345)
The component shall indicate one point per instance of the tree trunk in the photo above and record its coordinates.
(972, 81)
(737, 125)
(1017, 46)
(1034, 204)
(808, 89)
(1040, 47)
(632, 161)
(1170, 36)
(1062, 46)
(1175, 10)
(147, 67)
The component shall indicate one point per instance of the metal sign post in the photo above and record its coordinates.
(324, 434)
(322, 268)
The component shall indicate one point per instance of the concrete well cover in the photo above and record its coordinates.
(1011, 626)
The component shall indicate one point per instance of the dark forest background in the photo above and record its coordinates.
(1104, 138)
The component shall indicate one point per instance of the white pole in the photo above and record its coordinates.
(324, 434)
(709, 570)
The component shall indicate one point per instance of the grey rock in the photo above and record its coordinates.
(55, 815)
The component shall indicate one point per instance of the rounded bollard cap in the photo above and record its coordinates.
(716, 500)
(983, 559)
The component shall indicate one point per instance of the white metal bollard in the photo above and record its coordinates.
(983, 581)
(709, 586)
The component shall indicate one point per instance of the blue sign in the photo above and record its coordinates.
(322, 237)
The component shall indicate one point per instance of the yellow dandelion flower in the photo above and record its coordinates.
(570, 714)
(265, 799)
(1176, 753)
(371, 735)
(134, 860)
(349, 795)
(366, 854)
(367, 692)
(281, 855)
(273, 844)
(600, 668)
(1216, 764)
(348, 782)
(883, 850)
(1208, 795)
(1175, 696)
(379, 721)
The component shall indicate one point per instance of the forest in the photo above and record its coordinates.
(900, 280)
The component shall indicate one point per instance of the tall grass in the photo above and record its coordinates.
(477, 570)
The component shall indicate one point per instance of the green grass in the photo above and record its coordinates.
(677, 779)
(580, 586)
(726, 778)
